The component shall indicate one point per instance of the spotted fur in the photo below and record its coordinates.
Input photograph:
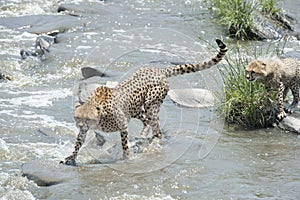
(281, 75)
(139, 96)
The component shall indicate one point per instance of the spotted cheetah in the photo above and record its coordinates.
(140, 96)
(280, 74)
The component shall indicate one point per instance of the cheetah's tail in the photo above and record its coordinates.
(188, 68)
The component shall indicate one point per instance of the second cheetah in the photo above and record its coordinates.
(280, 74)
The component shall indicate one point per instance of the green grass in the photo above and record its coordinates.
(270, 6)
(237, 15)
(246, 104)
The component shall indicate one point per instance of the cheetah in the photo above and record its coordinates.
(279, 74)
(140, 97)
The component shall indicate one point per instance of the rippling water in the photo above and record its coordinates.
(36, 108)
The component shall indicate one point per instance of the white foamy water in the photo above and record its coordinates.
(39, 98)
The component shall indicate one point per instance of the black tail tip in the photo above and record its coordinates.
(220, 44)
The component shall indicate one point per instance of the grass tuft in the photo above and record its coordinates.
(270, 6)
(237, 15)
(246, 104)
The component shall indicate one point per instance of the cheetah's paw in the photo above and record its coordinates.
(290, 109)
(281, 116)
(69, 161)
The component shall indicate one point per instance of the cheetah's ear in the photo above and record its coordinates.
(262, 64)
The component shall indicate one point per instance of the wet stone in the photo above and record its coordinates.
(292, 122)
(100, 138)
(267, 26)
(42, 24)
(196, 98)
(292, 54)
(79, 9)
(88, 72)
(4, 77)
(47, 173)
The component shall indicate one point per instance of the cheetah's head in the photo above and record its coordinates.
(89, 113)
(256, 70)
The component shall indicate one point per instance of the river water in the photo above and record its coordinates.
(199, 157)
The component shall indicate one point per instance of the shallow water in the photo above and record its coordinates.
(195, 160)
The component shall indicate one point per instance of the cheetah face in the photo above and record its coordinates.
(90, 113)
(87, 115)
(256, 70)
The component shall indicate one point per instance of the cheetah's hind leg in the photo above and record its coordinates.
(281, 115)
(146, 127)
(153, 100)
(295, 92)
(153, 120)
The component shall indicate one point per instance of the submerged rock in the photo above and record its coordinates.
(41, 24)
(47, 173)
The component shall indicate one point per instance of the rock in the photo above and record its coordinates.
(138, 144)
(197, 98)
(291, 54)
(4, 77)
(41, 24)
(269, 26)
(47, 173)
(41, 46)
(291, 123)
(61, 9)
(26, 53)
(284, 20)
(44, 42)
(80, 9)
(100, 138)
(274, 26)
(264, 28)
(88, 72)
(85, 90)
(64, 9)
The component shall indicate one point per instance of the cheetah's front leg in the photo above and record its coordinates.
(124, 138)
(280, 106)
(79, 142)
